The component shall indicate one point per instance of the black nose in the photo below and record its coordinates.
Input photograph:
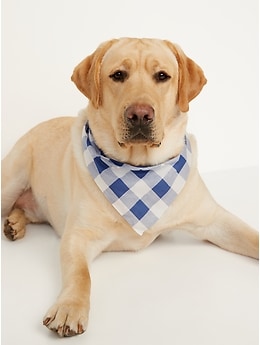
(139, 114)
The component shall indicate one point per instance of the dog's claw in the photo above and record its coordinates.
(70, 333)
(46, 321)
(65, 331)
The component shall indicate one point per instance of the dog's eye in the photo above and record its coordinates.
(119, 76)
(161, 76)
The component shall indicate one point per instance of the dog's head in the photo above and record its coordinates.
(139, 91)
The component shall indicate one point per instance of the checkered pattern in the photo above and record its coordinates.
(140, 194)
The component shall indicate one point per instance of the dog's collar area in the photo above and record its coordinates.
(140, 194)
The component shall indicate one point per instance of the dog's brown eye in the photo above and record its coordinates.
(119, 76)
(161, 76)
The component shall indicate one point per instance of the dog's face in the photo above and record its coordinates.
(140, 80)
(139, 92)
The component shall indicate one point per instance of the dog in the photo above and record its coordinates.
(133, 126)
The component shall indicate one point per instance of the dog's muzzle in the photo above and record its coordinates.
(139, 126)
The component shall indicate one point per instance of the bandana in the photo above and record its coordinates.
(140, 194)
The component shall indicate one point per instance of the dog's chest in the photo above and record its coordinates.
(139, 194)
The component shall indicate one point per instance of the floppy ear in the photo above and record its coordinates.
(86, 74)
(191, 78)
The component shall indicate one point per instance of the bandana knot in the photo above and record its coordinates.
(140, 194)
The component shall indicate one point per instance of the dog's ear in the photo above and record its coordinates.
(86, 74)
(191, 78)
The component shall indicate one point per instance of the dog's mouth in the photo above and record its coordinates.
(144, 136)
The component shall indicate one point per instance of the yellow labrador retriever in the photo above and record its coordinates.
(121, 173)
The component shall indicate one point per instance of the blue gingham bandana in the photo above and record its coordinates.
(140, 194)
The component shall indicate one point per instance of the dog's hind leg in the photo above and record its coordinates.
(15, 189)
(209, 221)
(230, 233)
(15, 174)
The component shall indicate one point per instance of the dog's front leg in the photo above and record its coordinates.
(69, 315)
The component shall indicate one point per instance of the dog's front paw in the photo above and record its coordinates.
(67, 319)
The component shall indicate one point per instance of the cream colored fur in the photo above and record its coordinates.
(44, 177)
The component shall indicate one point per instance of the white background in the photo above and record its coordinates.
(179, 290)
(44, 40)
